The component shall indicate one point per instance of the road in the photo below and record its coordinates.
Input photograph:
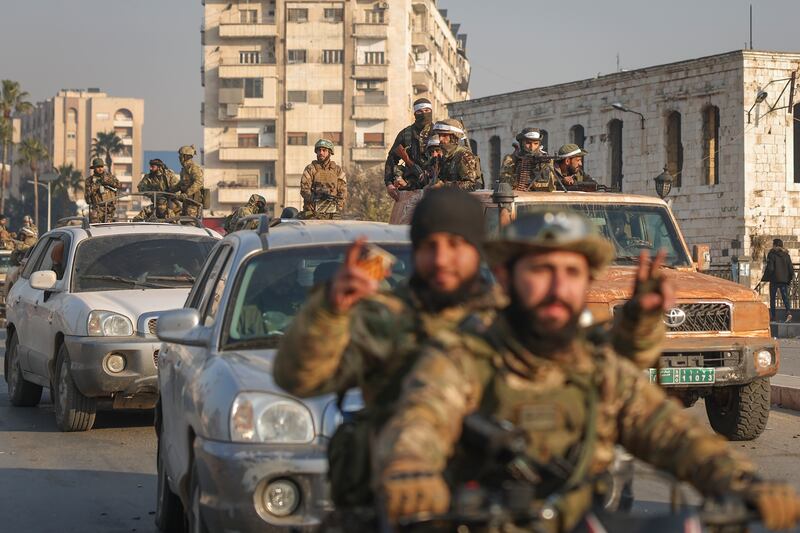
(104, 480)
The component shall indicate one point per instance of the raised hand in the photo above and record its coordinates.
(351, 282)
(652, 291)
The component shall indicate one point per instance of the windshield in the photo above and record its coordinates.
(149, 261)
(630, 227)
(5, 263)
(272, 287)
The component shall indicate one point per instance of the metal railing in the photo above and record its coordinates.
(794, 291)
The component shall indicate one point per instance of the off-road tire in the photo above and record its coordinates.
(170, 517)
(21, 393)
(74, 411)
(740, 412)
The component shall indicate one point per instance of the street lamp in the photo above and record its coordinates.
(663, 183)
(619, 106)
(760, 97)
(47, 179)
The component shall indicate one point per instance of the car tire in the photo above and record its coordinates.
(194, 518)
(169, 510)
(21, 393)
(74, 411)
(740, 412)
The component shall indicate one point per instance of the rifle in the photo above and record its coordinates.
(402, 153)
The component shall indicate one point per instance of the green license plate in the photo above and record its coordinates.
(682, 376)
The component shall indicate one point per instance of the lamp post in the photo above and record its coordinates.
(47, 179)
(760, 97)
(619, 106)
(663, 183)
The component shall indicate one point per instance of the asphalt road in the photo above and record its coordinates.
(104, 480)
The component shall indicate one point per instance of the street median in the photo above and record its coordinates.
(786, 391)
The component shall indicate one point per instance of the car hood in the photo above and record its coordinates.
(135, 302)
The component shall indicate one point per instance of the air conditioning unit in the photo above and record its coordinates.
(383, 5)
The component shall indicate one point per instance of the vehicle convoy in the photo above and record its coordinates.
(718, 343)
(83, 313)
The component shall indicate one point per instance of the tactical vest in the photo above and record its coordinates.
(415, 143)
(523, 172)
(326, 182)
(97, 191)
(449, 170)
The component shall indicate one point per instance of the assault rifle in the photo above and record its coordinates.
(402, 153)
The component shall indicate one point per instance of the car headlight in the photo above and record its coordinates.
(263, 417)
(109, 324)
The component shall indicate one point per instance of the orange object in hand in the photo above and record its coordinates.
(377, 262)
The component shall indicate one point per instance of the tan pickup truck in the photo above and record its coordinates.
(718, 342)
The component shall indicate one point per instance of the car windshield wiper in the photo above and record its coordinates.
(634, 260)
(129, 281)
(188, 278)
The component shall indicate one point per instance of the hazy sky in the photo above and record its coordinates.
(151, 48)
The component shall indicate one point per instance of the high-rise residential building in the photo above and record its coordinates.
(279, 74)
(67, 123)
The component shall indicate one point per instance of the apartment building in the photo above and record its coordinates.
(67, 123)
(280, 74)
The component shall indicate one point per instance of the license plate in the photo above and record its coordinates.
(682, 376)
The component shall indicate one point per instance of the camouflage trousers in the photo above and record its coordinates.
(315, 215)
(102, 213)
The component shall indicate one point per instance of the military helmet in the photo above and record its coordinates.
(551, 230)
(27, 219)
(161, 200)
(157, 163)
(449, 126)
(433, 142)
(324, 143)
(187, 150)
(97, 163)
(571, 150)
(529, 134)
(256, 199)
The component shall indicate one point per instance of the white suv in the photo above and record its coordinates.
(82, 316)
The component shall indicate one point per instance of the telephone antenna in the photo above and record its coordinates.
(751, 26)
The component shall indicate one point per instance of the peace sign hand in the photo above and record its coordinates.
(652, 291)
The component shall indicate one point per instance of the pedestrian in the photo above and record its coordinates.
(779, 272)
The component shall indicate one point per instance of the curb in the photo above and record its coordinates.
(786, 396)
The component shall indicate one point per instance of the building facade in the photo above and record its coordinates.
(737, 174)
(279, 74)
(67, 123)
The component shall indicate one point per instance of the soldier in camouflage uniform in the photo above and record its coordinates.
(569, 166)
(163, 211)
(6, 238)
(100, 192)
(413, 138)
(458, 167)
(524, 169)
(323, 185)
(190, 186)
(573, 398)
(257, 204)
(160, 179)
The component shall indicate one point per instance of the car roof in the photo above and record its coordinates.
(137, 228)
(587, 197)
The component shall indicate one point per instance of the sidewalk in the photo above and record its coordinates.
(786, 391)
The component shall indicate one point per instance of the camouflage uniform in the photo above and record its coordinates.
(164, 180)
(6, 239)
(324, 190)
(163, 210)
(459, 167)
(572, 150)
(100, 193)
(257, 204)
(191, 182)
(414, 139)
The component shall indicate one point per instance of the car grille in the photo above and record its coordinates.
(712, 316)
(151, 325)
(701, 360)
(155, 358)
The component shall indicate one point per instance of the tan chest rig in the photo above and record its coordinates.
(326, 182)
(526, 174)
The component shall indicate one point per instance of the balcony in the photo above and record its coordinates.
(237, 30)
(127, 141)
(371, 72)
(239, 112)
(235, 153)
(420, 40)
(234, 69)
(124, 123)
(421, 81)
(370, 31)
(370, 106)
(240, 195)
(368, 153)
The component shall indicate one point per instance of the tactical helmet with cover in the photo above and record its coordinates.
(157, 163)
(323, 143)
(187, 151)
(257, 199)
(529, 134)
(449, 126)
(571, 150)
(97, 163)
(27, 219)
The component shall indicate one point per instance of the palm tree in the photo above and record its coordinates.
(31, 153)
(12, 101)
(105, 145)
(69, 180)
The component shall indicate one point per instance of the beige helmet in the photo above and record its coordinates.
(449, 126)
(187, 150)
(97, 163)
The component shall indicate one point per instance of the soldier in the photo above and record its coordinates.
(569, 165)
(255, 205)
(163, 211)
(413, 139)
(459, 167)
(574, 399)
(28, 235)
(527, 169)
(323, 185)
(190, 186)
(101, 192)
(6, 239)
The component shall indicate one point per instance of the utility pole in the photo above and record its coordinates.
(751, 26)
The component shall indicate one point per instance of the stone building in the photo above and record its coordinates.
(736, 169)
(280, 74)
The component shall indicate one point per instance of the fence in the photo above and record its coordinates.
(794, 291)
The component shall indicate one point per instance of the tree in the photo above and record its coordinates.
(32, 153)
(105, 145)
(69, 180)
(12, 102)
(366, 195)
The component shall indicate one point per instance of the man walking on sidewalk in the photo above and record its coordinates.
(779, 272)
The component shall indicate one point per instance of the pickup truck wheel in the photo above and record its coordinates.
(740, 412)
(169, 510)
(21, 393)
(74, 411)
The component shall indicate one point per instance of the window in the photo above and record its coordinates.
(253, 88)
(334, 15)
(297, 97)
(297, 15)
(332, 97)
(796, 121)
(48, 261)
(70, 135)
(268, 134)
(247, 57)
(123, 115)
(473, 145)
(218, 278)
(615, 152)
(374, 58)
(374, 16)
(268, 175)
(674, 147)
(577, 135)
(331, 57)
(231, 83)
(296, 56)
(334, 136)
(711, 144)
(367, 85)
(495, 156)
(373, 139)
(297, 139)
(268, 56)
(248, 16)
(545, 139)
(248, 140)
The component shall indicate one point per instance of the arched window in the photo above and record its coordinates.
(545, 138)
(473, 145)
(796, 117)
(711, 144)
(72, 116)
(577, 135)
(674, 147)
(495, 156)
(123, 115)
(615, 152)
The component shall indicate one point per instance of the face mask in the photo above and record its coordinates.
(423, 119)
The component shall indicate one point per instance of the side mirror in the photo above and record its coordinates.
(44, 280)
(182, 326)
(701, 256)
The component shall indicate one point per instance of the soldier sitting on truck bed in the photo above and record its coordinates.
(569, 167)
(529, 168)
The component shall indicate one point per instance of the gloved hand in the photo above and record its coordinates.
(410, 488)
(652, 292)
(777, 503)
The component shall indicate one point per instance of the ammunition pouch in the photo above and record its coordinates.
(349, 468)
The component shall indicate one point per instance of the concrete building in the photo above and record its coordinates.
(280, 74)
(737, 169)
(67, 123)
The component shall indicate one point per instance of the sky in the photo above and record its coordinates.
(151, 48)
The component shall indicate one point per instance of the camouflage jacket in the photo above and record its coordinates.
(191, 181)
(580, 176)
(162, 182)
(540, 172)
(102, 188)
(323, 188)
(414, 141)
(232, 220)
(586, 398)
(148, 212)
(461, 169)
